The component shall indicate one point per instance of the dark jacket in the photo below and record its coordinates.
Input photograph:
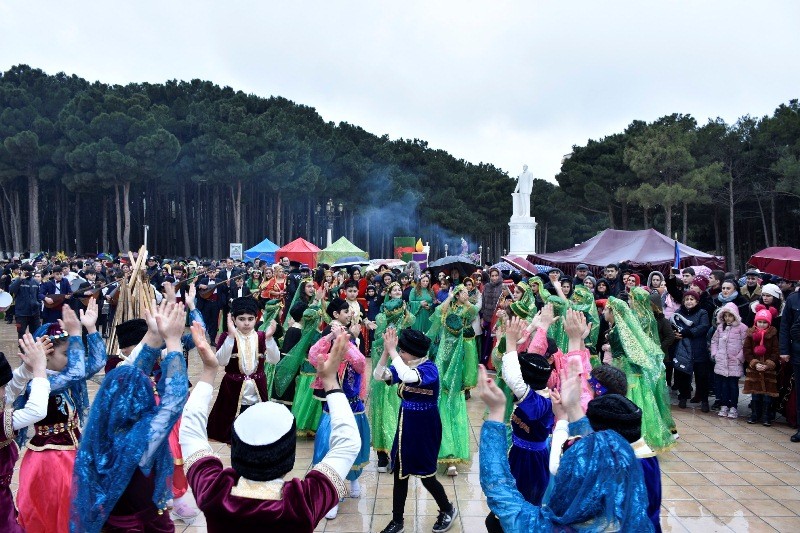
(27, 297)
(789, 336)
(491, 294)
(693, 344)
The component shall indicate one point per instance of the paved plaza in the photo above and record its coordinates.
(724, 475)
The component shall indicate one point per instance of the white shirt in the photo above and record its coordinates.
(248, 361)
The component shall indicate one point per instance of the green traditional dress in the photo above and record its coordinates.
(641, 308)
(384, 403)
(582, 300)
(272, 311)
(451, 358)
(640, 357)
(306, 409)
(423, 316)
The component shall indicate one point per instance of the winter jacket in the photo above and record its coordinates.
(790, 336)
(727, 344)
(742, 304)
(666, 335)
(491, 293)
(692, 347)
(750, 296)
(766, 381)
(27, 298)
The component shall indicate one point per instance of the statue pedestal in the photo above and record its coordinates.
(523, 236)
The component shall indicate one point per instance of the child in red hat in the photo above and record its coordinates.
(761, 355)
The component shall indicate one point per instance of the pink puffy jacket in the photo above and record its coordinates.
(727, 344)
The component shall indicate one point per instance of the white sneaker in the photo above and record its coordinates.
(733, 413)
(333, 512)
(451, 471)
(355, 489)
(185, 509)
(723, 411)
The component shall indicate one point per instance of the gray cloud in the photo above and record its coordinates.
(500, 82)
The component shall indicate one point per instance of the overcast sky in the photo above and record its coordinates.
(500, 82)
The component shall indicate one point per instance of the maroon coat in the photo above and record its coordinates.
(298, 507)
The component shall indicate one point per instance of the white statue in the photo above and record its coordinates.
(464, 246)
(522, 194)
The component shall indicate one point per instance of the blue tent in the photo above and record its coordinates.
(265, 250)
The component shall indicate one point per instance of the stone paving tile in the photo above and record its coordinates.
(724, 475)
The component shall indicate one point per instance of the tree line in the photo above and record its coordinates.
(86, 166)
(728, 189)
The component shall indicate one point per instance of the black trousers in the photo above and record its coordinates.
(400, 493)
(702, 373)
(29, 323)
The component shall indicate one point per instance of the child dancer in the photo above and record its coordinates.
(242, 351)
(45, 475)
(419, 433)
(129, 427)
(351, 374)
(761, 353)
(33, 369)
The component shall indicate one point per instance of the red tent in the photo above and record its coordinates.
(299, 250)
(644, 250)
(781, 261)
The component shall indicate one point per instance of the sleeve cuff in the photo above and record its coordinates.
(330, 473)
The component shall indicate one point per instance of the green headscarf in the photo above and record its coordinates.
(526, 305)
(638, 346)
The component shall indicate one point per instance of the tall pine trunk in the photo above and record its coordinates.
(34, 233)
(236, 202)
(668, 221)
(78, 240)
(772, 220)
(763, 221)
(217, 237)
(187, 249)
(118, 226)
(278, 218)
(16, 230)
(731, 249)
(126, 231)
(104, 234)
(685, 228)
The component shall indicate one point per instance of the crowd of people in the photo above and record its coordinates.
(575, 372)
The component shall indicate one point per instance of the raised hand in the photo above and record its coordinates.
(171, 322)
(571, 379)
(575, 324)
(559, 411)
(514, 333)
(329, 369)
(191, 297)
(89, 316)
(270, 331)
(169, 292)
(34, 355)
(69, 322)
(491, 395)
(231, 327)
(547, 316)
(207, 353)
(390, 339)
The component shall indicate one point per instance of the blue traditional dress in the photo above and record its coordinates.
(531, 425)
(416, 444)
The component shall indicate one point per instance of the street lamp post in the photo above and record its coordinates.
(332, 212)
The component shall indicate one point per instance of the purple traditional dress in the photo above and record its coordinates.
(9, 453)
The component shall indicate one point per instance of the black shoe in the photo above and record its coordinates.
(694, 399)
(445, 520)
(751, 420)
(682, 403)
(795, 437)
(767, 422)
(383, 462)
(704, 406)
(467, 395)
(394, 527)
(716, 405)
